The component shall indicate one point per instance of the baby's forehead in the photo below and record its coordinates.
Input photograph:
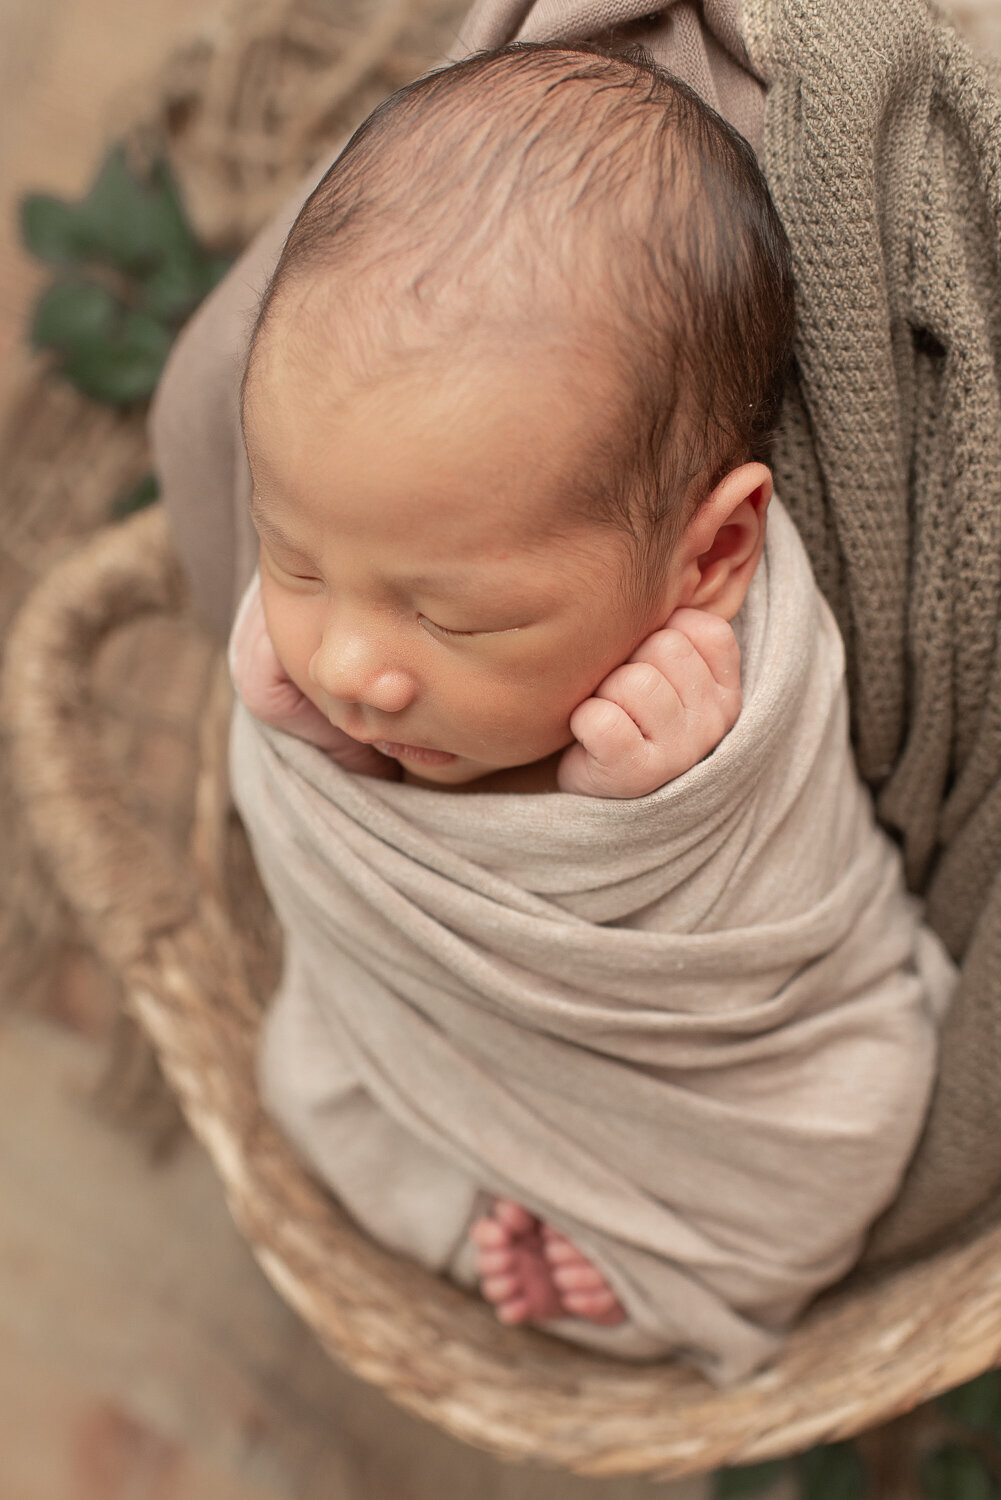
(352, 334)
(540, 404)
(405, 305)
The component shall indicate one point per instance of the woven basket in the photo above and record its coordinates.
(117, 707)
(187, 927)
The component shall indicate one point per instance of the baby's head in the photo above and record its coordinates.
(507, 398)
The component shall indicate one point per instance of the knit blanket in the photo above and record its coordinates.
(696, 1031)
(880, 136)
(882, 149)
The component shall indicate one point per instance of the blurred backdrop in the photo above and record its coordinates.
(142, 1354)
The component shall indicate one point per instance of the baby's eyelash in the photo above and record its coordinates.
(444, 631)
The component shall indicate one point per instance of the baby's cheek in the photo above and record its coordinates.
(503, 718)
(290, 638)
(543, 726)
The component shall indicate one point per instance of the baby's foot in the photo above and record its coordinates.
(583, 1290)
(514, 1273)
(531, 1272)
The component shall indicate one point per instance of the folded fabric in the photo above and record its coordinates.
(696, 1031)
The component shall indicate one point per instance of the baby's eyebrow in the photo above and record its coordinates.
(458, 584)
(453, 583)
(271, 529)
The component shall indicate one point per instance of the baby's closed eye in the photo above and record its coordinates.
(445, 630)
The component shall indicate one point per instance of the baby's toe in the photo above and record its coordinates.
(579, 1278)
(502, 1289)
(515, 1310)
(495, 1262)
(490, 1235)
(603, 1306)
(557, 1248)
(514, 1217)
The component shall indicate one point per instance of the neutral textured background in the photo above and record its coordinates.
(142, 1354)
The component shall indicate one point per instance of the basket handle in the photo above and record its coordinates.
(117, 877)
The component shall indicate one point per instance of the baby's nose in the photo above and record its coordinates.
(353, 668)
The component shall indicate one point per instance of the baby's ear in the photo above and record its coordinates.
(722, 544)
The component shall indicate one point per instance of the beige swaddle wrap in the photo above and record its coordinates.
(696, 1031)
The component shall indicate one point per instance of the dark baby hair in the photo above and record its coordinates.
(594, 180)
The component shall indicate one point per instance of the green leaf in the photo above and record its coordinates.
(137, 498)
(123, 370)
(182, 280)
(749, 1480)
(127, 222)
(120, 217)
(112, 351)
(72, 314)
(52, 230)
(977, 1403)
(173, 233)
(831, 1472)
(172, 291)
(953, 1472)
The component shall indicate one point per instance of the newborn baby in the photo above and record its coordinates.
(506, 404)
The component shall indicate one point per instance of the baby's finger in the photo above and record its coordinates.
(701, 694)
(648, 696)
(610, 757)
(714, 640)
(605, 729)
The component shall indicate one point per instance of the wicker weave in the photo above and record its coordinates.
(117, 708)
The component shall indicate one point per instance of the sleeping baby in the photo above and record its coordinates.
(601, 988)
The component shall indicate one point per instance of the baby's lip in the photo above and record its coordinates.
(421, 753)
(386, 746)
(381, 739)
(359, 739)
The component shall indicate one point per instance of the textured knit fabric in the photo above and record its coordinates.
(882, 149)
(695, 1031)
(699, 43)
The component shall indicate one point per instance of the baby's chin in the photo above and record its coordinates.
(476, 776)
(458, 772)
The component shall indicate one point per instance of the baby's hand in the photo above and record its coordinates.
(270, 694)
(658, 714)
